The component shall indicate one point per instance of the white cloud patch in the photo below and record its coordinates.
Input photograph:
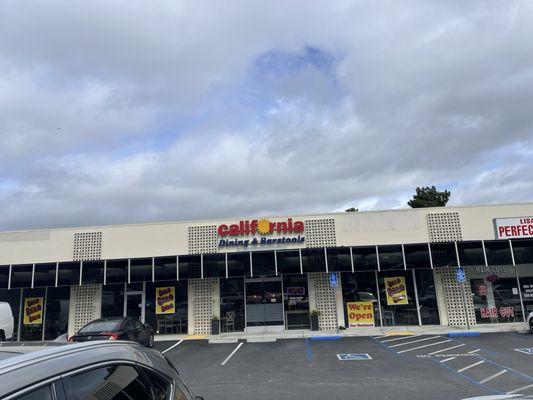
(128, 112)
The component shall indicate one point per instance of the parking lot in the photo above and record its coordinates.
(398, 367)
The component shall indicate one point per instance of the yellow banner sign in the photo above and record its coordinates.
(396, 291)
(360, 314)
(33, 310)
(165, 300)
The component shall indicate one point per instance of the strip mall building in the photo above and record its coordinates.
(434, 266)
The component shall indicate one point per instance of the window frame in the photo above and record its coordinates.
(57, 390)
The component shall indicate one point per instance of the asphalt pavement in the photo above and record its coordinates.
(384, 367)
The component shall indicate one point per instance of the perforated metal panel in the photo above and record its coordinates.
(444, 227)
(453, 297)
(203, 239)
(87, 246)
(203, 296)
(320, 232)
(85, 305)
(325, 299)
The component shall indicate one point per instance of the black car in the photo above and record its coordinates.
(114, 370)
(121, 328)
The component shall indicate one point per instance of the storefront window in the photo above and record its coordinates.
(4, 276)
(339, 259)
(495, 294)
(397, 295)
(443, 254)
(190, 267)
(263, 263)
(57, 308)
(92, 272)
(238, 264)
(288, 261)
(525, 274)
(390, 257)
(365, 258)
(166, 307)
(427, 297)
(33, 301)
(296, 296)
(13, 298)
(113, 300)
(523, 251)
(313, 260)
(45, 275)
(470, 253)
(498, 252)
(214, 265)
(232, 305)
(68, 273)
(141, 270)
(417, 256)
(165, 269)
(360, 288)
(116, 271)
(21, 276)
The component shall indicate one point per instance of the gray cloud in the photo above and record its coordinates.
(131, 112)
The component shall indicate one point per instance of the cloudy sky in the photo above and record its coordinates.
(130, 111)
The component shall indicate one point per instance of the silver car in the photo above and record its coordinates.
(93, 371)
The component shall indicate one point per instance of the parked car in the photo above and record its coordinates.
(6, 322)
(92, 370)
(120, 328)
(530, 322)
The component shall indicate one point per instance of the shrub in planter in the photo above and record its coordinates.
(314, 320)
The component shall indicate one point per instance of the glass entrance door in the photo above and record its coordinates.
(264, 304)
(134, 306)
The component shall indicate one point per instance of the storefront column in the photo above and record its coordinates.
(326, 300)
(453, 298)
(85, 306)
(203, 303)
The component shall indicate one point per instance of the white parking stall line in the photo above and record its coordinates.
(471, 366)
(426, 345)
(446, 349)
(400, 338)
(448, 359)
(497, 374)
(520, 389)
(474, 351)
(232, 353)
(414, 341)
(171, 347)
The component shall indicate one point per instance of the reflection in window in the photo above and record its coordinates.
(45, 275)
(417, 256)
(443, 254)
(141, 270)
(190, 267)
(339, 259)
(427, 297)
(313, 260)
(263, 263)
(470, 253)
(43, 393)
(57, 308)
(13, 298)
(498, 252)
(238, 264)
(214, 265)
(113, 300)
(390, 257)
(495, 294)
(21, 276)
(165, 269)
(68, 273)
(525, 273)
(365, 258)
(116, 271)
(4, 276)
(166, 307)
(92, 272)
(397, 298)
(232, 305)
(296, 296)
(360, 287)
(523, 251)
(288, 261)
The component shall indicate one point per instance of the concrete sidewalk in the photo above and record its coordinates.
(234, 337)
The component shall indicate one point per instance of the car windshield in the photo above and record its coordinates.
(101, 326)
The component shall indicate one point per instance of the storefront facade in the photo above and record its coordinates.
(453, 266)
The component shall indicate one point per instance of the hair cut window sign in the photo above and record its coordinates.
(512, 228)
(284, 232)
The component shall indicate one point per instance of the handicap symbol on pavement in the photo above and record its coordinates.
(354, 356)
(527, 350)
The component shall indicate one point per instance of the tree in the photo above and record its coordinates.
(429, 197)
(352, 209)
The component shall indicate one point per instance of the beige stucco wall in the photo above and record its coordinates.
(362, 228)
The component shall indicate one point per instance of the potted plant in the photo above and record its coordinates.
(215, 325)
(314, 320)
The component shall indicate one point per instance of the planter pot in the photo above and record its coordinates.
(314, 322)
(215, 327)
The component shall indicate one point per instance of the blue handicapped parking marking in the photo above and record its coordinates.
(354, 356)
(527, 350)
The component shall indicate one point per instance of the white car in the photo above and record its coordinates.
(6, 322)
(530, 322)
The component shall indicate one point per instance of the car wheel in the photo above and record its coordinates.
(2, 336)
(531, 325)
(151, 341)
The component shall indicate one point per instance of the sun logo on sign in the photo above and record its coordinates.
(263, 226)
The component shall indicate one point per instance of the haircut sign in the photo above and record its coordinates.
(396, 291)
(33, 310)
(165, 300)
(360, 314)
